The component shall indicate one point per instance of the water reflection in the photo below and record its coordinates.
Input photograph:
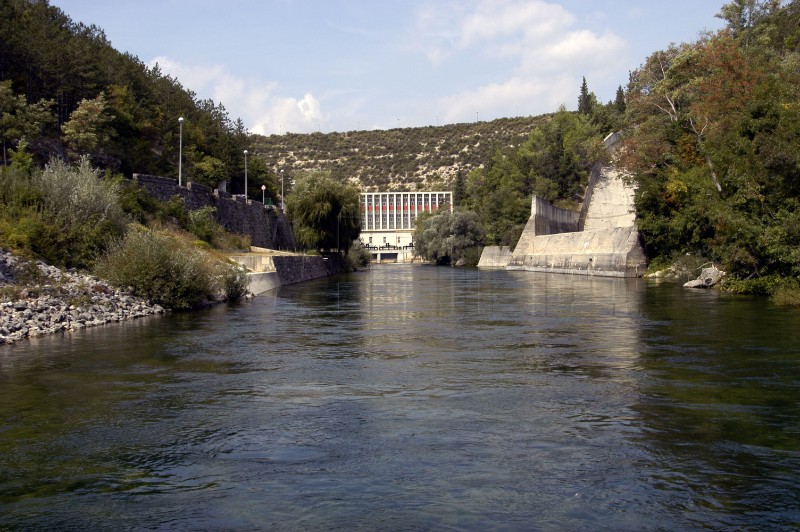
(413, 397)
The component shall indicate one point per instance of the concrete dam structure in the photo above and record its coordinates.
(600, 239)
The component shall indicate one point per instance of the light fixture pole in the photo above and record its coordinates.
(282, 205)
(263, 188)
(180, 151)
(245, 176)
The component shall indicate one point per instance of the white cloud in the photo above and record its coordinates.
(289, 115)
(503, 99)
(577, 51)
(515, 19)
(548, 53)
(256, 103)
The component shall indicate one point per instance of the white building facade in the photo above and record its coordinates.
(388, 218)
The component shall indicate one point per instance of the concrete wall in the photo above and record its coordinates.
(545, 219)
(267, 228)
(601, 239)
(611, 252)
(260, 282)
(495, 257)
(550, 220)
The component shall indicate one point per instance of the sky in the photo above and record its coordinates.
(302, 66)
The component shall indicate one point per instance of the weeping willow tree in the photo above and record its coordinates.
(324, 212)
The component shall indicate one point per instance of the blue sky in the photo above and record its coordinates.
(340, 65)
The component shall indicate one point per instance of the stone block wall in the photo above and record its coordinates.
(298, 268)
(268, 228)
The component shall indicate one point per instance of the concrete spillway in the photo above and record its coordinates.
(601, 239)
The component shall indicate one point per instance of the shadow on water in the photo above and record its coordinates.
(413, 397)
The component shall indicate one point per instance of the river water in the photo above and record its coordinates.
(414, 398)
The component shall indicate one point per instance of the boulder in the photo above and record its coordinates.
(708, 277)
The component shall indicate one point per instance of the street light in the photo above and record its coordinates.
(282, 205)
(263, 188)
(245, 176)
(180, 151)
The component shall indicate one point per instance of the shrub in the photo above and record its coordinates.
(787, 294)
(159, 267)
(76, 196)
(234, 283)
(63, 215)
(358, 257)
(170, 270)
(203, 225)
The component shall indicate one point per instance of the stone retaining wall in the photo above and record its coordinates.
(267, 228)
(298, 268)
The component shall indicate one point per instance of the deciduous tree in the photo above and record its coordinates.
(324, 212)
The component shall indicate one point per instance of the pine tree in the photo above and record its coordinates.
(619, 101)
(459, 189)
(584, 103)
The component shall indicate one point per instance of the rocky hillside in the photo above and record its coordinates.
(423, 158)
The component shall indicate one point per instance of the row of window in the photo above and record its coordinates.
(398, 210)
(404, 199)
(377, 220)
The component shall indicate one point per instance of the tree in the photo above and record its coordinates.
(447, 238)
(324, 211)
(258, 174)
(712, 133)
(743, 16)
(85, 132)
(209, 171)
(584, 100)
(459, 189)
(19, 120)
(619, 101)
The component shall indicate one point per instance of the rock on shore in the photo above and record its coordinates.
(708, 277)
(37, 299)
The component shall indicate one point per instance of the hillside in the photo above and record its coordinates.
(422, 158)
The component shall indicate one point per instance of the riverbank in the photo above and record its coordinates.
(37, 299)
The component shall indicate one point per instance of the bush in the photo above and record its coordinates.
(787, 294)
(77, 195)
(358, 257)
(472, 256)
(63, 215)
(203, 225)
(234, 281)
(160, 267)
(760, 286)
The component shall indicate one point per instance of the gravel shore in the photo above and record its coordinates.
(38, 299)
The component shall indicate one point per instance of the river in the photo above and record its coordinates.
(414, 398)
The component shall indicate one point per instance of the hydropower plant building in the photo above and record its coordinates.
(388, 218)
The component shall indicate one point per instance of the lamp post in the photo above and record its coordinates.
(180, 151)
(263, 188)
(245, 176)
(282, 206)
